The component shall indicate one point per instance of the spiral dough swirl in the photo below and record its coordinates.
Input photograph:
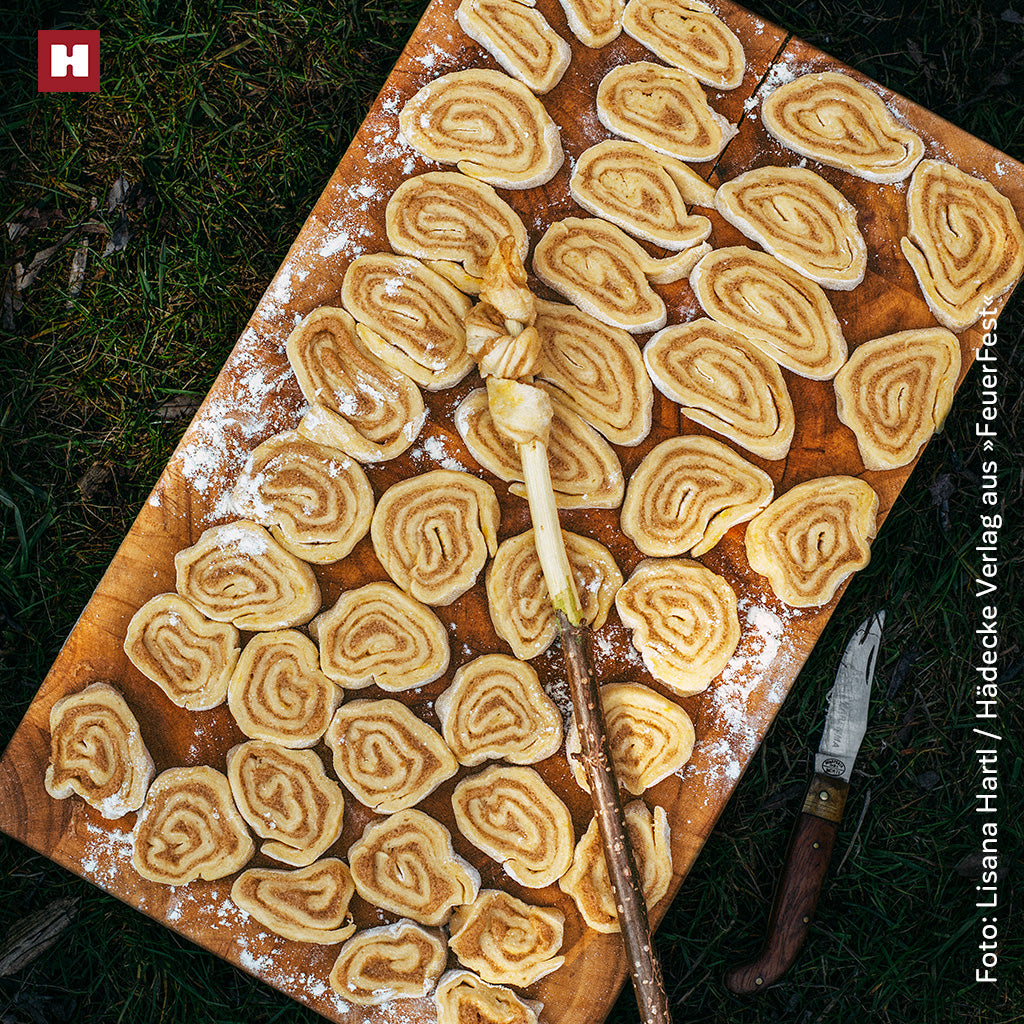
(684, 621)
(97, 751)
(386, 756)
(189, 828)
(278, 693)
(512, 815)
(287, 798)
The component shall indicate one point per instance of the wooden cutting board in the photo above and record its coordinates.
(256, 396)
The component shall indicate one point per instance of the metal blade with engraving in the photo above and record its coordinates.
(815, 831)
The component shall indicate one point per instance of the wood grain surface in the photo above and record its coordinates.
(256, 395)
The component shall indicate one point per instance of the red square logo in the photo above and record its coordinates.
(69, 61)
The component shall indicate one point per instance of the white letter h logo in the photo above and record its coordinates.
(77, 61)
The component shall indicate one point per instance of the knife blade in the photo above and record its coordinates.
(814, 832)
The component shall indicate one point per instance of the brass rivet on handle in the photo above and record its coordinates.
(823, 795)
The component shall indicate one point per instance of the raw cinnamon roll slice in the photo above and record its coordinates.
(488, 124)
(447, 216)
(378, 634)
(607, 274)
(409, 317)
(832, 118)
(724, 382)
(433, 533)
(405, 864)
(687, 493)
(287, 799)
(595, 23)
(512, 815)
(506, 941)
(798, 217)
(782, 312)
(894, 393)
(965, 244)
(684, 621)
(585, 471)
(587, 880)
(387, 757)
(813, 537)
(308, 904)
(687, 34)
(664, 108)
(189, 828)
(517, 594)
(642, 191)
(519, 38)
(359, 404)
(462, 997)
(401, 960)
(238, 573)
(189, 656)
(97, 751)
(278, 693)
(316, 501)
(496, 709)
(649, 736)
(594, 370)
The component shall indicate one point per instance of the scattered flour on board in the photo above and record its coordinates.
(759, 666)
(108, 856)
(434, 450)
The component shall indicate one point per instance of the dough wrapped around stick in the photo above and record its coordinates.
(587, 880)
(832, 118)
(798, 217)
(724, 382)
(594, 370)
(409, 317)
(519, 38)
(684, 621)
(287, 798)
(650, 736)
(316, 501)
(358, 403)
(813, 537)
(894, 393)
(462, 996)
(385, 756)
(434, 532)
(238, 573)
(97, 751)
(687, 493)
(965, 244)
(512, 815)
(377, 634)
(517, 593)
(401, 960)
(688, 34)
(488, 124)
(189, 828)
(190, 657)
(600, 269)
(496, 709)
(595, 23)
(585, 471)
(445, 215)
(308, 904)
(405, 864)
(664, 108)
(782, 312)
(505, 940)
(278, 693)
(643, 192)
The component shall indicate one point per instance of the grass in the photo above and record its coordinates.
(227, 121)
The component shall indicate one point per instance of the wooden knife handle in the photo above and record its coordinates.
(810, 850)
